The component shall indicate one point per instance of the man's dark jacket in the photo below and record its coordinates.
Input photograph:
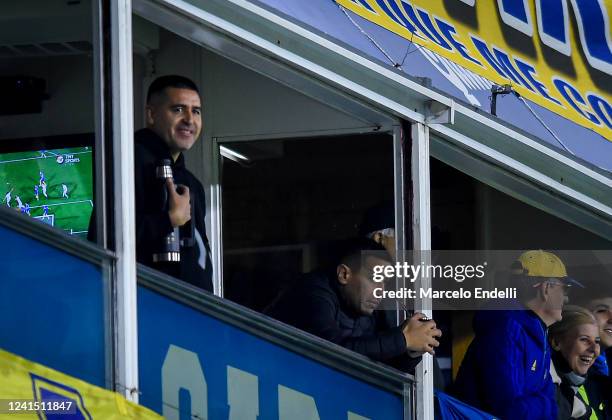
(152, 223)
(314, 305)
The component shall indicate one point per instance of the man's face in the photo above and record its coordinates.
(176, 116)
(557, 297)
(602, 309)
(358, 287)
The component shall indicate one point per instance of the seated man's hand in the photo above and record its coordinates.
(421, 336)
(179, 204)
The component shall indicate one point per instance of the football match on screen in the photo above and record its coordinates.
(52, 186)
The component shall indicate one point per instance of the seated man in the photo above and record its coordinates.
(506, 368)
(339, 306)
(378, 224)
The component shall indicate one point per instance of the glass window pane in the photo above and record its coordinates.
(286, 210)
(47, 112)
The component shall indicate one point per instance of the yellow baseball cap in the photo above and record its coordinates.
(539, 263)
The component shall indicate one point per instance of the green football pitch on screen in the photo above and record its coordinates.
(52, 186)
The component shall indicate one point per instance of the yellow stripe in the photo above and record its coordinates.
(17, 384)
(585, 398)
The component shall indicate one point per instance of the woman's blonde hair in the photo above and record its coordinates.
(573, 316)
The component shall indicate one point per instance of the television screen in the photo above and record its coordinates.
(53, 186)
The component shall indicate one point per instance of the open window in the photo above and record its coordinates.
(486, 214)
(291, 202)
(48, 111)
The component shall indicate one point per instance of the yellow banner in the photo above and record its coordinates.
(556, 53)
(37, 392)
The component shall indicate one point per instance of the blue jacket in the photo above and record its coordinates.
(601, 365)
(506, 370)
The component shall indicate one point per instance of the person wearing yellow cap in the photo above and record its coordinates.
(506, 369)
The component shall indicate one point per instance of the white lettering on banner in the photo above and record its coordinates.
(242, 394)
(182, 369)
(594, 29)
(518, 17)
(573, 91)
(592, 20)
(554, 32)
(461, 78)
(293, 405)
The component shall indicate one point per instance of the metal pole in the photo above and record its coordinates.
(216, 216)
(99, 13)
(399, 185)
(124, 209)
(100, 132)
(421, 241)
(401, 239)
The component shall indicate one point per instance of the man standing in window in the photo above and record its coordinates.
(174, 123)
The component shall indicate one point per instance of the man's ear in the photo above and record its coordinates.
(543, 291)
(343, 274)
(555, 345)
(150, 114)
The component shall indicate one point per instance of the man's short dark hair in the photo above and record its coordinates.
(355, 250)
(171, 81)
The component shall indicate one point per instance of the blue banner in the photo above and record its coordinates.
(52, 308)
(192, 364)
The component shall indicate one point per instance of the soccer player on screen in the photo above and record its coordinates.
(27, 209)
(64, 191)
(36, 192)
(19, 203)
(42, 178)
(7, 198)
(43, 184)
(45, 212)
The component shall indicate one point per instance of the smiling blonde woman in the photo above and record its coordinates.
(575, 343)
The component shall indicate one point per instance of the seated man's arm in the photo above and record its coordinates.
(504, 373)
(383, 345)
(404, 362)
(317, 315)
